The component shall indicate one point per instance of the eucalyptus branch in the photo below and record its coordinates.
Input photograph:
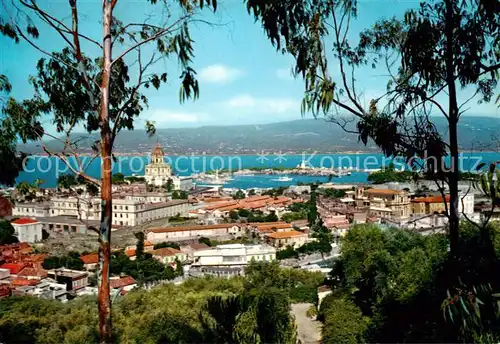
(157, 35)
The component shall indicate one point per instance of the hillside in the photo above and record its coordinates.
(294, 136)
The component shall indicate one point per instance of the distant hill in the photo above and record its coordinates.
(481, 133)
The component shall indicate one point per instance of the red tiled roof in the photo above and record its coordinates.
(148, 243)
(24, 221)
(190, 228)
(92, 258)
(14, 268)
(121, 282)
(130, 253)
(165, 252)
(431, 199)
(283, 235)
(32, 272)
(19, 282)
(198, 246)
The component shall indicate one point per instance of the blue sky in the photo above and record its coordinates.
(243, 80)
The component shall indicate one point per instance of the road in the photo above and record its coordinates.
(308, 330)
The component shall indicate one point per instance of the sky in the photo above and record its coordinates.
(243, 79)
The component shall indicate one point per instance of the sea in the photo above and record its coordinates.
(48, 169)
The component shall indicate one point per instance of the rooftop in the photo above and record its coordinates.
(192, 228)
(284, 235)
(431, 199)
(121, 282)
(165, 252)
(24, 221)
(92, 258)
(375, 191)
(67, 273)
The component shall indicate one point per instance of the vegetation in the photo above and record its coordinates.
(400, 286)
(239, 195)
(389, 174)
(253, 309)
(7, 233)
(71, 261)
(166, 244)
(293, 216)
(275, 192)
(180, 194)
(333, 193)
(178, 218)
(343, 321)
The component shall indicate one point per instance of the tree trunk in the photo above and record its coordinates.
(454, 220)
(106, 197)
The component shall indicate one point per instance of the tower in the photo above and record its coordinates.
(157, 155)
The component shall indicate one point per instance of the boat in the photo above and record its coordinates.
(284, 179)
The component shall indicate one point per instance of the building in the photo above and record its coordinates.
(190, 249)
(168, 255)
(125, 283)
(384, 202)
(231, 259)
(430, 205)
(27, 230)
(129, 212)
(73, 279)
(71, 214)
(90, 261)
(291, 238)
(158, 172)
(157, 235)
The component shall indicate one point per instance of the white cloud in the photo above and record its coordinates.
(262, 105)
(219, 74)
(284, 73)
(165, 117)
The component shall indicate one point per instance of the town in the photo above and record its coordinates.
(190, 232)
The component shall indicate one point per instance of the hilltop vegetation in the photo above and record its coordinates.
(254, 309)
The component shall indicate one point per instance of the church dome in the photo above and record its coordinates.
(158, 151)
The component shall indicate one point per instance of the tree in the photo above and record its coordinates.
(233, 215)
(7, 233)
(139, 248)
(459, 49)
(343, 321)
(170, 185)
(271, 217)
(239, 195)
(118, 178)
(71, 261)
(98, 92)
(251, 192)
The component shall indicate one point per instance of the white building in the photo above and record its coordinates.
(127, 211)
(27, 230)
(156, 235)
(231, 259)
(466, 203)
(158, 172)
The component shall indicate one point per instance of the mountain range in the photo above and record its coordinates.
(478, 133)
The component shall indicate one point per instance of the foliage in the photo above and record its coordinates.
(343, 321)
(300, 284)
(139, 247)
(180, 194)
(118, 178)
(71, 261)
(233, 215)
(7, 233)
(166, 244)
(239, 195)
(143, 269)
(258, 216)
(275, 192)
(201, 310)
(333, 193)
(389, 174)
(293, 216)
(244, 212)
(400, 280)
